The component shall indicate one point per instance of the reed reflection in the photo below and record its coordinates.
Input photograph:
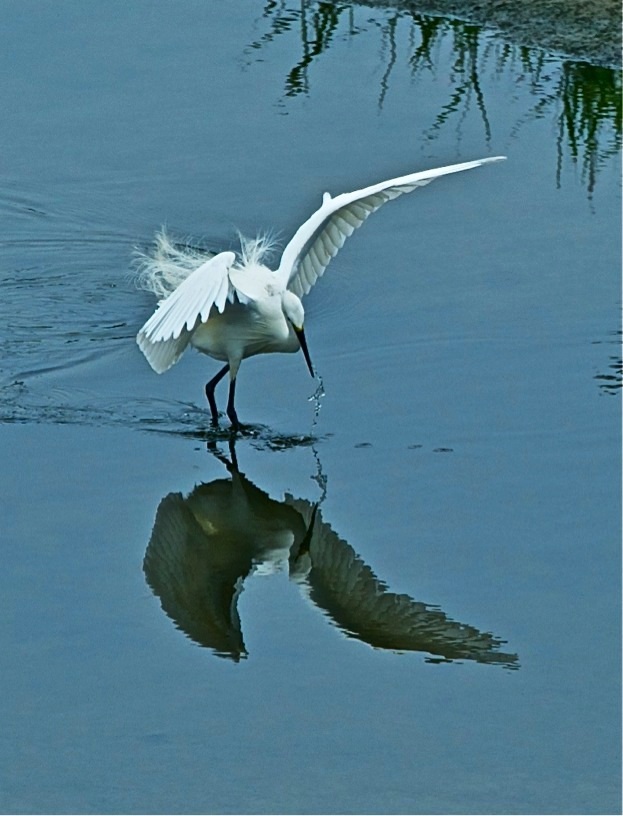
(581, 100)
(205, 545)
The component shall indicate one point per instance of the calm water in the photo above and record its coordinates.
(400, 597)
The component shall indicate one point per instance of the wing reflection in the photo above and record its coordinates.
(340, 583)
(203, 547)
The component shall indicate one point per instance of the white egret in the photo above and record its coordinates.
(231, 308)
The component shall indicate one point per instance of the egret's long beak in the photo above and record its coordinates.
(303, 343)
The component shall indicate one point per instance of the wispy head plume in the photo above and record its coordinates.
(164, 266)
(255, 251)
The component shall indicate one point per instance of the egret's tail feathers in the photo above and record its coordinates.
(162, 268)
(162, 354)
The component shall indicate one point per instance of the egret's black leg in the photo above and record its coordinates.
(210, 393)
(231, 411)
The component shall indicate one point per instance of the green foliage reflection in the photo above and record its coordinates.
(583, 101)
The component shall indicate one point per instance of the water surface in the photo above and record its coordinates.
(400, 597)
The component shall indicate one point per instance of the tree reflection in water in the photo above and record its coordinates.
(204, 547)
(583, 101)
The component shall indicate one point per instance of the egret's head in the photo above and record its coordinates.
(295, 314)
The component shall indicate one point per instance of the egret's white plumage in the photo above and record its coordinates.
(231, 308)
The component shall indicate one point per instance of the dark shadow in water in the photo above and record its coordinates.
(582, 101)
(261, 437)
(611, 381)
(205, 545)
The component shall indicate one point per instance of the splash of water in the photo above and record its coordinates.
(319, 477)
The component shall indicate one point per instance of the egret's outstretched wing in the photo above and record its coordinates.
(166, 334)
(318, 240)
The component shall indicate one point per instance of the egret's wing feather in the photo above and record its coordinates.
(166, 334)
(162, 354)
(320, 238)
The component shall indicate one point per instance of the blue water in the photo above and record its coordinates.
(445, 637)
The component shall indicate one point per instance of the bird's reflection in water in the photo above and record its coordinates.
(203, 546)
